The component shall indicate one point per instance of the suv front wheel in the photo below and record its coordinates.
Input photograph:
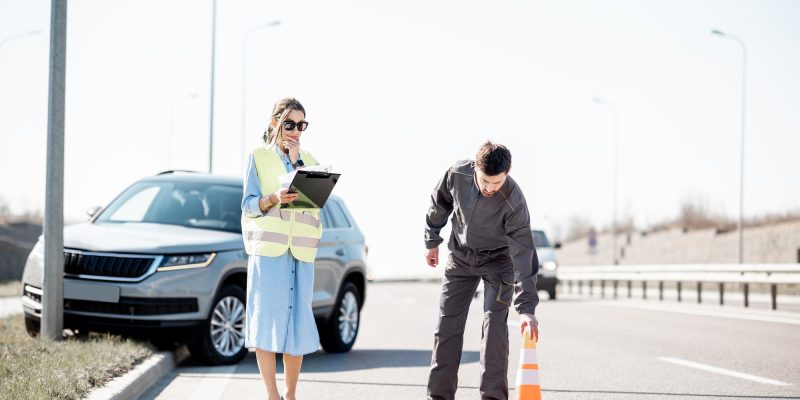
(338, 334)
(220, 341)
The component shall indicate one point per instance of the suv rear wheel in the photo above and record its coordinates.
(338, 334)
(221, 339)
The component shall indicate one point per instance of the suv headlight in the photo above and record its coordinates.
(549, 265)
(186, 261)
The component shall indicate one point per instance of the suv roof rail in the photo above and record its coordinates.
(172, 171)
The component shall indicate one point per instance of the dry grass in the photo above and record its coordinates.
(36, 368)
(10, 288)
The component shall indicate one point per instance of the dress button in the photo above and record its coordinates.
(290, 307)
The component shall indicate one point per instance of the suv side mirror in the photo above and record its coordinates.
(91, 212)
(557, 246)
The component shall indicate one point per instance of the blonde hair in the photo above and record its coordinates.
(279, 113)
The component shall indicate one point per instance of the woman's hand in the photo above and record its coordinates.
(280, 196)
(291, 146)
(283, 196)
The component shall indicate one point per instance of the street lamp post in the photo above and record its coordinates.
(52, 324)
(19, 36)
(172, 126)
(615, 256)
(211, 111)
(244, 82)
(740, 223)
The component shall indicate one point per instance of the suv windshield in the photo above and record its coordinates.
(190, 204)
(540, 239)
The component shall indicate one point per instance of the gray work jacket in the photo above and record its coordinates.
(488, 229)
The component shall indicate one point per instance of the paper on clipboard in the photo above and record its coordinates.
(286, 179)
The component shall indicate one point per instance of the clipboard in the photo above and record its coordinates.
(313, 188)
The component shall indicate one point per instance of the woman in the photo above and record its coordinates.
(282, 243)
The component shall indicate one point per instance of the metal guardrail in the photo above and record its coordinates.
(699, 274)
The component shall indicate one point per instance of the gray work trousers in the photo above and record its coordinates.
(462, 275)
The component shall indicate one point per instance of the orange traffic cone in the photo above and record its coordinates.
(528, 387)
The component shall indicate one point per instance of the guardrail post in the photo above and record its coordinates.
(774, 294)
(615, 289)
(580, 287)
(661, 291)
(679, 291)
(630, 283)
(569, 287)
(603, 289)
(591, 284)
(746, 294)
(721, 293)
(699, 292)
(644, 290)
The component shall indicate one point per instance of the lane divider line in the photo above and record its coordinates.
(722, 371)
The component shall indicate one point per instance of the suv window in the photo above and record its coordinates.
(540, 239)
(324, 217)
(190, 204)
(336, 216)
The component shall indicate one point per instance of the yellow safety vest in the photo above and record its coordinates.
(281, 229)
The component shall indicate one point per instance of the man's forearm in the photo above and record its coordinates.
(526, 298)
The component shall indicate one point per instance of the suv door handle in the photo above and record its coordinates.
(340, 252)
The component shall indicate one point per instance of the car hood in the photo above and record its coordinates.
(545, 254)
(148, 238)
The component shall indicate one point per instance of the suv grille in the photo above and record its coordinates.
(135, 306)
(103, 265)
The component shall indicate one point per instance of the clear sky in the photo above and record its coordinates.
(396, 92)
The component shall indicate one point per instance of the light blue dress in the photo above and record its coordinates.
(279, 289)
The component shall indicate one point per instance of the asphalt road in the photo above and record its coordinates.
(588, 349)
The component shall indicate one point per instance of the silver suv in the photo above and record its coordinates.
(165, 261)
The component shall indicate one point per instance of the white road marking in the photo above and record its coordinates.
(707, 313)
(722, 371)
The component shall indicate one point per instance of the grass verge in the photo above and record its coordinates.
(36, 368)
(10, 288)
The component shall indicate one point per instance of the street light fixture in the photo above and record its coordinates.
(740, 222)
(244, 82)
(172, 126)
(611, 105)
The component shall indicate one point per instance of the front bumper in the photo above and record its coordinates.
(166, 301)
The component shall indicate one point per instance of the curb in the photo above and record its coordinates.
(137, 381)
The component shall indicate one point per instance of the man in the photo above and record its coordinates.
(491, 240)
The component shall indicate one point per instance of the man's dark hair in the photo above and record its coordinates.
(493, 159)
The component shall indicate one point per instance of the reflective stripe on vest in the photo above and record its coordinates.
(281, 229)
(305, 242)
(267, 237)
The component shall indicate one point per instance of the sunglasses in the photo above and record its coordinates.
(289, 125)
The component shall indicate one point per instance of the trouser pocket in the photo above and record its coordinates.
(505, 293)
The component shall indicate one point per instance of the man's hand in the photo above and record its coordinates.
(529, 320)
(432, 257)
